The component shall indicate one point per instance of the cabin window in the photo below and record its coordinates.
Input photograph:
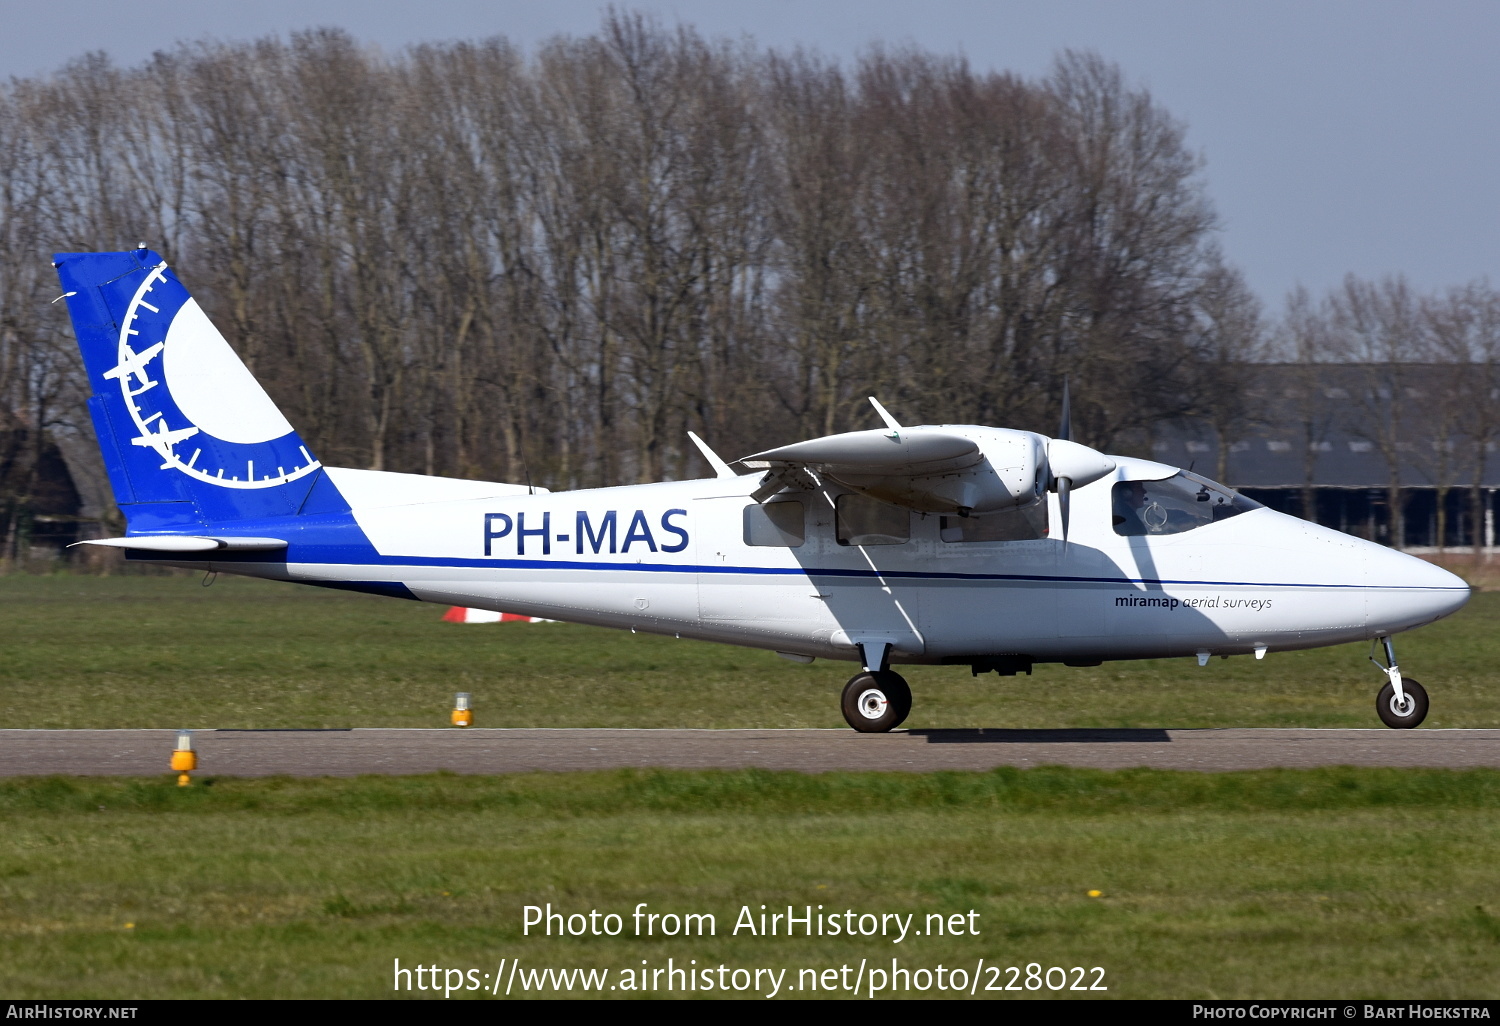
(862, 520)
(1026, 524)
(1173, 505)
(775, 523)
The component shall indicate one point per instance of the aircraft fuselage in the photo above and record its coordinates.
(673, 558)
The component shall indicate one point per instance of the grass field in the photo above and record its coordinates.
(164, 652)
(1326, 883)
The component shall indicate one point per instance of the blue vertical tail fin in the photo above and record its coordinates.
(188, 435)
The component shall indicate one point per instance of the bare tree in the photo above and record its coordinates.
(1376, 326)
(462, 259)
(1465, 334)
(1304, 340)
(1231, 345)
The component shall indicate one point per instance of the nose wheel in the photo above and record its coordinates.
(876, 701)
(1402, 703)
(1404, 711)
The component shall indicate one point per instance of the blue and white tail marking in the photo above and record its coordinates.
(189, 436)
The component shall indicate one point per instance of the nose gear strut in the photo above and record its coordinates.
(1390, 669)
(1402, 702)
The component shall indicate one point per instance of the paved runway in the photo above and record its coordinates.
(387, 751)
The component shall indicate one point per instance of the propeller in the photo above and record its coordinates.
(1065, 485)
(1072, 464)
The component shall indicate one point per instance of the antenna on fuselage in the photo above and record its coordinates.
(1065, 428)
(525, 466)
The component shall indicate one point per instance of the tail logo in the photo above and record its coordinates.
(187, 375)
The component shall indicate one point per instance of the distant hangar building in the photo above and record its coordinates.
(1335, 443)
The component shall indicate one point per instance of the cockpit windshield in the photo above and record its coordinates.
(1174, 504)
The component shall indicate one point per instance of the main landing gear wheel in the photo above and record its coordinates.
(1393, 713)
(877, 701)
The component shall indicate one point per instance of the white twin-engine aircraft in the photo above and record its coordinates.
(951, 544)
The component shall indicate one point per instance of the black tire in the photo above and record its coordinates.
(1392, 715)
(876, 702)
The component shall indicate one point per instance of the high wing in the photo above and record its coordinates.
(926, 469)
(908, 450)
(963, 469)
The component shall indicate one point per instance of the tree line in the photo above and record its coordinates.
(466, 260)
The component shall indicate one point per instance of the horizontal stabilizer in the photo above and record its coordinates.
(905, 451)
(187, 543)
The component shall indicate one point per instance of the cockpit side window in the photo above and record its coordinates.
(1182, 502)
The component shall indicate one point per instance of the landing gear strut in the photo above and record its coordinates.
(1402, 702)
(878, 699)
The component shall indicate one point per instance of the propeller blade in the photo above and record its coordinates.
(1064, 487)
(1065, 429)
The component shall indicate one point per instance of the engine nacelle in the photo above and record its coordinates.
(1009, 472)
(952, 468)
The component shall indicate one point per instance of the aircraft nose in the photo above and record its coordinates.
(1404, 591)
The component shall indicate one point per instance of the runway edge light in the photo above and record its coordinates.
(184, 759)
(462, 715)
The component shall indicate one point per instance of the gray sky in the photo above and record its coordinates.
(1339, 136)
